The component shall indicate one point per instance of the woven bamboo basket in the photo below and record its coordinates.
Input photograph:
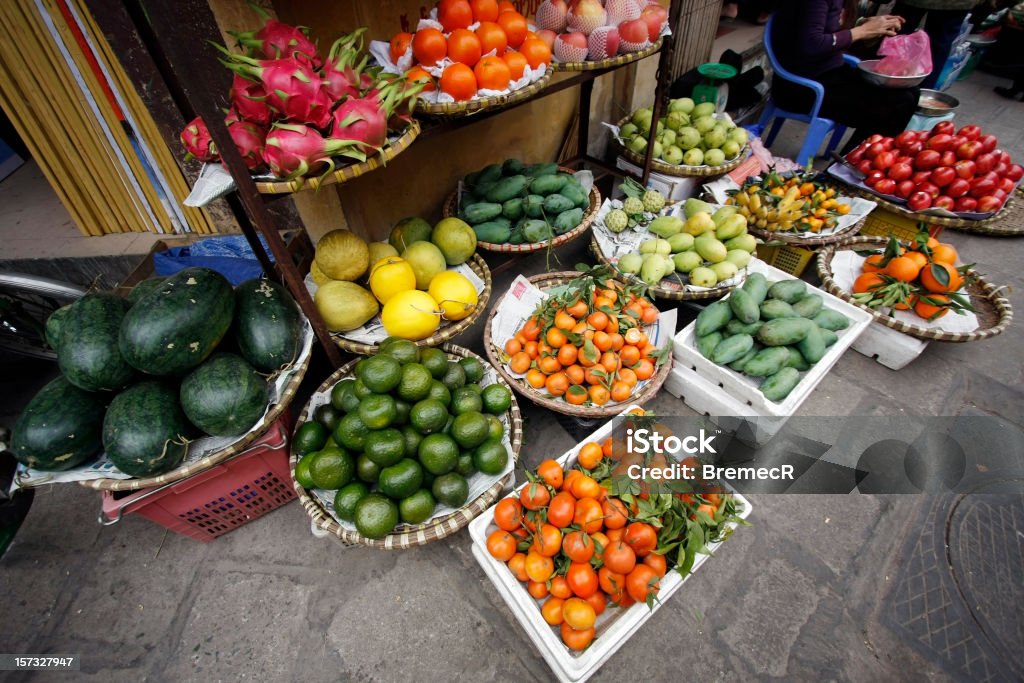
(456, 109)
(681, 294)
(958, 223)
(345, 173)
(1009, 222)
(588, 217)
(494, 351)
(680, 170)
(611, 62)
(236, 448)
(991, 307)
(408, 536)
(448, 329)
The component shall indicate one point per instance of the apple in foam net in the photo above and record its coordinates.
(655, 17)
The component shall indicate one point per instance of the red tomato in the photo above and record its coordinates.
(906, 138)
(874, 150)
(865, 166)
(872, 139)
(873, 178)
(1006, 185)
(856, 156)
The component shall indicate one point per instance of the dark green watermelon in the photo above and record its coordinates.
(224, 396)
(268, 327)
(143, 288)
(59, 428)
(88, 352)
(54, 325)
(177, 326)
(145, 430)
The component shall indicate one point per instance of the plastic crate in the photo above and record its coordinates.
(792, 260)
(886, 223)
(221, 499)
(892, 349)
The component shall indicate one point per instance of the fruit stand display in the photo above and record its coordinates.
(595, 35)
(577, 615)
(183, 373)
(579, 344)
(518, 209)
(405, 447)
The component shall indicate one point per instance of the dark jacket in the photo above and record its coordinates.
(807, 36)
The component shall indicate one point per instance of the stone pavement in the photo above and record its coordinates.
(859, 588)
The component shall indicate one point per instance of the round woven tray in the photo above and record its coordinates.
(660, 292)
(1009, 222)
(990, 306)
(959, 223)
(588, 217)
(191, 468)
(454, 109)
(448, 329)
(419, 534)
(815, 242)
(678, 169)
(617, 60)
(494, 351)
(345, 173)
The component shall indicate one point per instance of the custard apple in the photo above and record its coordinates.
(653, 201)
(616, 220)
(633, 206)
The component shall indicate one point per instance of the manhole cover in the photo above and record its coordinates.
(985, 546)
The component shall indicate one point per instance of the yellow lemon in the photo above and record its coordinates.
(454, 293)
(389, 276)
(411, 314)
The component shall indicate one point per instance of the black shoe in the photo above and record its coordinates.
(1009, 93)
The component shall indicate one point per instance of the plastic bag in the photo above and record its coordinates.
(231, 256)
(909, 55)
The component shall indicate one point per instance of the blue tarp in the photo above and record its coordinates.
(230, 256)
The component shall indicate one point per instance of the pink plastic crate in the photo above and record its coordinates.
(219, 500)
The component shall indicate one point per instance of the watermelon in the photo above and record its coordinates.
(145, 430)
(267, 324)
(176, 326)
(54, 325)
(88, 353)
(59, 428)
(224, 396)
(143, 288)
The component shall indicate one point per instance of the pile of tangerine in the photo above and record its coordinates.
(502, 30)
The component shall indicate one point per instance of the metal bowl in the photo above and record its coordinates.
(936, 103)
(867, 70)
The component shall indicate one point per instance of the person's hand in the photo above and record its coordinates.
(877, 27)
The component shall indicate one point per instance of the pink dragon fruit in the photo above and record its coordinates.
(603, 42)
(571, 47)
(294, 151)
(585, 16)
(621, 10)
(249, 99)
(295, 91)
(249, 138)
(342, 76)
(277, 39)
(551, 15)
(197, 141)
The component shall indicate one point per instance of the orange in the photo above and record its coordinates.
(516, 65)
(576, 395)
(873, 263)
(506, 6)
(620, 391)
(578, 614)
(455, 14)
(944, 253)
(484, 10)
(903, 268)
(517, 565)
(628, 376)
(576, 640)
(513, 346)
(549, 364)
(917, 257)
(560, 588)
(567, 355)
(520, 362)
(644, 369)
(557, 384)
(515, 27)
(492, 37)
(536, 52)
(554, 337)
(492, 73)
(590, 455)
(933, 284)
(464, 47)
(459, 82)
(537, 590)
(417, 74)
(551, 610)
(865, 282)
(932, 311)
(429, 46)
(575, 373)
(564, 321)
(535, 378)
(399, 44)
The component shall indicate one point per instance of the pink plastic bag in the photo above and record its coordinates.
(908, 55)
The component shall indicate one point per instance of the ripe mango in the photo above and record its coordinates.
(710, 248)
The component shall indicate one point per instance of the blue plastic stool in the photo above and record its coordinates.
(818, 126)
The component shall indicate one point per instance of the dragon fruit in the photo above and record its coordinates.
(603, 42)
(342, 76)
(197, 141)
(364, 120)
(571, 47)
(294, 150)
(249, 99)
(277, 39)
(295, 91)
(585, 16)
(249, 138)
(621, 10)
(551, 15)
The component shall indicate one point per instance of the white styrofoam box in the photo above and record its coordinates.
(745, 388)
(676, 188)
(613, 627)
(892, 349)
(708, 398)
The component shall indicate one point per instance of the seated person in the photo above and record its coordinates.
(809, 37)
